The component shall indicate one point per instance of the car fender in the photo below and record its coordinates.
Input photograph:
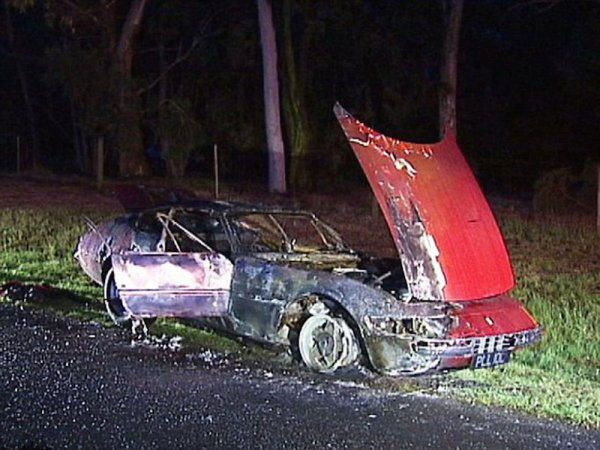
(262, 291)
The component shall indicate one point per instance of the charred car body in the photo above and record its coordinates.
(285, 277)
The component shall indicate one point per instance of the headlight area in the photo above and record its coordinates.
(423, 327)
(479, 334)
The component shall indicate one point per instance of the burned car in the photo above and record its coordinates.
(285, 277)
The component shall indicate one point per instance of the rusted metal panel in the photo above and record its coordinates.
(262, 291)
(172, 271)
(97, 245)
(449, 242)
(189, 304)
(173, 284)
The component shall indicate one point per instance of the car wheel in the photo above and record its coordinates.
(114, 305)
(327, 343)
(117, 311)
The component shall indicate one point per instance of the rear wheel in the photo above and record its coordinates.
(327, 343)
(117, 311)
(114, 306)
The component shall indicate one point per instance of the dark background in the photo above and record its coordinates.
(527, 103)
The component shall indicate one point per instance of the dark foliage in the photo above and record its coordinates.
(527, 99)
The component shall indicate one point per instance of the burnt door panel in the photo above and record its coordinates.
(173, 284)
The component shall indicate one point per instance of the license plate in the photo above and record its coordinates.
(484, 360)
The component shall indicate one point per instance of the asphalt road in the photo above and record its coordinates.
(69, 384)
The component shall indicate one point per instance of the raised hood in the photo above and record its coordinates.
(449, 242)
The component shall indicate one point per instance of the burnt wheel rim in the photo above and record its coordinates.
(327, 343)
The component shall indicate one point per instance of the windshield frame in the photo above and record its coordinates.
(331, 240)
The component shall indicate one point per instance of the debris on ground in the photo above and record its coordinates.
(164, 342)
(17, 291)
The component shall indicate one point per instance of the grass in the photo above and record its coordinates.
(557, 263)
(37, 246)
(558, 278)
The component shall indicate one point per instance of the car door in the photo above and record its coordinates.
(182, 284)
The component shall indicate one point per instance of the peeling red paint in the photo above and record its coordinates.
(441, 223)
(489, 317)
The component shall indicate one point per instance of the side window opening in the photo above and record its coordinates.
(148, 232)
(191, 231)
(284, 232)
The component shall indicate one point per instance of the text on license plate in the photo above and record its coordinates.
(483, 360)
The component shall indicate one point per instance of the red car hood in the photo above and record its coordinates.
(449, 242)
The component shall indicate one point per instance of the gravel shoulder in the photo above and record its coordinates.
(65, 383)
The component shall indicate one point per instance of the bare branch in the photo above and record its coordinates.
(544, 5)
(78, 12)
(180, 58)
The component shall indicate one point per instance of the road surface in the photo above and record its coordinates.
(71, 384)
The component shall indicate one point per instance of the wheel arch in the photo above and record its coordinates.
(297, 312)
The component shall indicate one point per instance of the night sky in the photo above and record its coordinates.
(528, 82)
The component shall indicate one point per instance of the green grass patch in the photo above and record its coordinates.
(557, 263)
(37, 246)
(522, 385)
(195, 337)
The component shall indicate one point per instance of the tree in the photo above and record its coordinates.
(295, 112)
(132, 160)
(449, 69)
(175, 127)
(23, 80)
(277, 181)
(95, 65)
(180, 132)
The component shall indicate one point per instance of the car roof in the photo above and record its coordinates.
(223, 207)
(136, 198)
(139, 198)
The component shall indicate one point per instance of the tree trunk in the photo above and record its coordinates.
(132, 159)
(277, 182)
(99, 162)
(449, 70)
(598, 201)
(31, 119)
(22, 76)
(296, 117)
(79, 139)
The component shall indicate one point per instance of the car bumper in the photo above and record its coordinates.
(409, 355)
(458, 353)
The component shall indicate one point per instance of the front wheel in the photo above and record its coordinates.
(327, 343)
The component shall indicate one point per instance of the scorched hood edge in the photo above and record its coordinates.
(448, 239)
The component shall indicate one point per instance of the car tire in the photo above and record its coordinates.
(327, 343)
(115, 308)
